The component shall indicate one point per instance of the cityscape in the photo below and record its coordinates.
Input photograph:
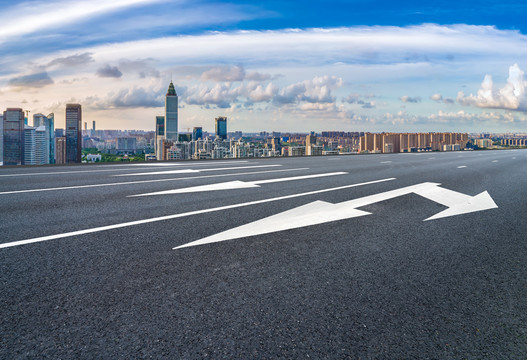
(42, 143)
(231, 179)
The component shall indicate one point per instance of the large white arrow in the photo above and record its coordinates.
(319, 212)
(237, 184)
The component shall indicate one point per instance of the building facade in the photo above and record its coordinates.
(73, 133)
(197, 133)
(13, 136)
(171, 114)
(221, 127)
(60, 150)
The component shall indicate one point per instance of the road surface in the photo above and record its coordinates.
(320, 257)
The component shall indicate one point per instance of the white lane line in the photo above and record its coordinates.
(431, 158)
(191, 164)
(175, 216)
(333, 159)
(106, 170)
(461, 167)
(237, 184)
(514, 158)
(146, 181)
(183, 171)
(494, 160)
(385, 162)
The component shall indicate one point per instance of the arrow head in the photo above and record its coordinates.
(480, 202)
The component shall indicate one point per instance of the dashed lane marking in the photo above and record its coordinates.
(146, 181)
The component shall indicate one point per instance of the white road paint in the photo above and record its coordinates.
(319, 212)
(431, 158)
(237, 184)
(385, 162)
(191, 164)
(494, 160)
(147, 181)
(184, 171)
(462, 167)
(122, 168)
(175, 216)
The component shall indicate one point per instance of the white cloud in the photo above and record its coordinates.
(436, 97)
(409, 99)
(31, 16)
(511, 97)
(224, 73)
(317, 90)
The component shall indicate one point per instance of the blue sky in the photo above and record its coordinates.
(286, 66)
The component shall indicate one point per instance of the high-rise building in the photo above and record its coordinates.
(73, 133)
(51, 122)
(221, 127)
(60, 150)
(41, 145)
(93, 125)
(160, 136)
(40, 120)
(311, 140)
(197, 133)
(29, 145)
(13, 136)
(171, 114)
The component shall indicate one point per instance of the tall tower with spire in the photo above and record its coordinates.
(171, 114)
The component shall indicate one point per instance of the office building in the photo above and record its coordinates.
(39, 120)
(159, 136)
(221, 127)
(171, 114)
(126, 145)
(60, 150)
(29, 145)
(311, 140)
(41, 146)
(197, 133)
(13, 131)
(73, 133)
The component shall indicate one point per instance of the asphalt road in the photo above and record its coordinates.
(88, 270)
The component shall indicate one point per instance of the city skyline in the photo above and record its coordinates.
(270, 67)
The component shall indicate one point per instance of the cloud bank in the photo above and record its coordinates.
(510, 97)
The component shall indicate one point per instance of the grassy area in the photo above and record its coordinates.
(111, 157)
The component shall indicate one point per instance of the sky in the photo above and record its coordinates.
(290, 66)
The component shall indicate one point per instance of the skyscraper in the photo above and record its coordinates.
(13, 136)
(40, 120)
(60, 146)
(221, 127)
(73, 133)
(197, 133)
(29, 145)
(51, 122)
(171, 114)
(160, 136)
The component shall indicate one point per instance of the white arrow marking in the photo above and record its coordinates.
(181, 215)
(237, 184)
(184, 171)
(320, 212)
(149, 181)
